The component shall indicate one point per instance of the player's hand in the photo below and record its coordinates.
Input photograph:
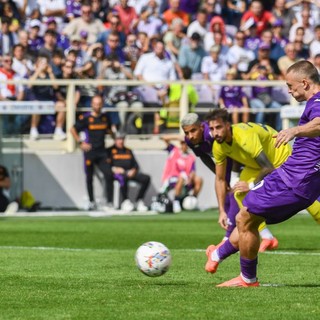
(284, 136)
(223, 220)
(241, 186)
(85, 146)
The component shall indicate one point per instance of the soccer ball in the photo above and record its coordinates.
(153, 259)
(190, 203)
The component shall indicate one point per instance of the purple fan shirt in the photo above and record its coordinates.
(73, 8)
(301, 171)
(232, 96)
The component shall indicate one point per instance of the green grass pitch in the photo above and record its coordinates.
(83, 268)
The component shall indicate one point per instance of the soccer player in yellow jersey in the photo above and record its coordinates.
(253, 146)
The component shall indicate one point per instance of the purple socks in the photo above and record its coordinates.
(249, 267)
(226, 250)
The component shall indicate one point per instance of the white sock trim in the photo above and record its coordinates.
(246, 280)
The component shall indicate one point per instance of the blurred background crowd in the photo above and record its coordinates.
(152, 40)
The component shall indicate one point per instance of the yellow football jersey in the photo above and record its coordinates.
(249, 139)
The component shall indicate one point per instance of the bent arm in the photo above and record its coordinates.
(310, 130)
(265, 164)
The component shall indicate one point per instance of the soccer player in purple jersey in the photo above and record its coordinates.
(291, 187)
(198, 137)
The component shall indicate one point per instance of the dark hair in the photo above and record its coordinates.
(305, 69)
(187, 73)
(218, 114)
(51, 33)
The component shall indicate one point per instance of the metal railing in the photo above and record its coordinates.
(183, 108)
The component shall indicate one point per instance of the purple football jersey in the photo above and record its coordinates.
(205, 147)
(301, 171)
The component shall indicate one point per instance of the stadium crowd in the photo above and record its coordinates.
(151, 40)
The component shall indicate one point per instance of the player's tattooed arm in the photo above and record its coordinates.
(265, 164)
(208, 161)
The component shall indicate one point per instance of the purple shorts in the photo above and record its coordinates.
(273, 200)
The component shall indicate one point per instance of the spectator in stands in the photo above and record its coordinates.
(95, 125)
(61, 92)
(7, 38)
(88, 91)
(174, 37)
(10, 11)
(199, 25)
(131, 51)
(35, 41)
(214, 68)
(233, 11)
(127, 15)
(316, 62)
(100, 9)
(5, 184)
(276, 50)
(118, 94)
(234, 99)
(21, 64)
(307, 27)
(191, 55)
(262, 96)
(28, 9)
(53, 8)
(125, 168)
(50, 44)
(43, 70)
(217, 25)
(213, 38)
(261, 17)
(86, 23)
(315, 44)
(75, 47)
(149, 23)
(113, 25)
(238, 56)
(112, 47)
(281, 12)
(288, 59)
(73, 9)
(263, 57)
(213, 8)
(57, 62)
(154, 66)
(62, 40)
(180, 172)
(12, 124)
(302, 49)
(143, 42)
(252, 40)
(174, 12)
(278, 34)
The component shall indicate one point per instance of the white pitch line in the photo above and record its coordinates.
(290, 253)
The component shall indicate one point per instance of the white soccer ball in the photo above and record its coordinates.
(190, 203)
(153, 259)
